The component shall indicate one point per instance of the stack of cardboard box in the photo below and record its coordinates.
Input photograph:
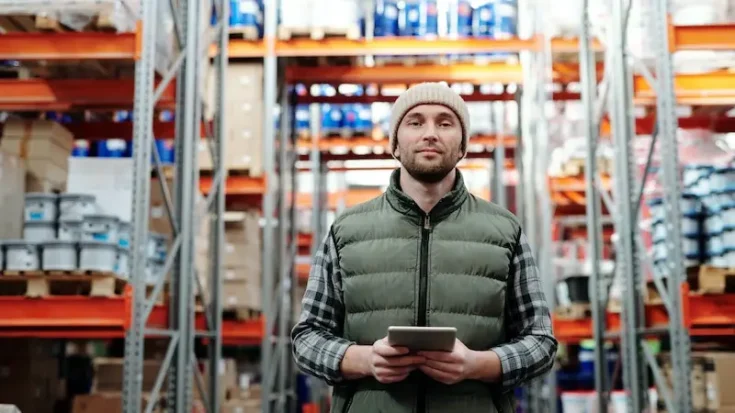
(711, 377)
(244, 118)
(44, 147)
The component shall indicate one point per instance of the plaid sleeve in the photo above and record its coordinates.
(318, 347)
(532, 347)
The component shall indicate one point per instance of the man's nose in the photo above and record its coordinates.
(430, 132)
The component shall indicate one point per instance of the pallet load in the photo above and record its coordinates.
(711, 377)
(318, 19)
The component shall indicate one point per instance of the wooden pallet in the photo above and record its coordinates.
(319, 33)
(52, 283)
(714, 280)
(574, 311)
(245, 33)
(251, 172)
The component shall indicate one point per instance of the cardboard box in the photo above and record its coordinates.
(12, 188)
(241, 406)
(227, 372)
(241, 294)
(108, 374)
(44, 146)
(104, 403)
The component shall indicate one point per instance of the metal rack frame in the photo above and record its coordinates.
(617, 83)
(180, 360)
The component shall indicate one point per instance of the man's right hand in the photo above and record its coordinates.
(392, 364)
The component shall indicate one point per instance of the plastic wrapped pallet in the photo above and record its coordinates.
(320, 17)
(78, 14)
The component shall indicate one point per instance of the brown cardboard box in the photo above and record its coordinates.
(104, 403)
(12, 188)
(227, 376)
(108, 374)
(241, 294)
(719, 371)
(29, 374)
(44, 146)
(241, 406)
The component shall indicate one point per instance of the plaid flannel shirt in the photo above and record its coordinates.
(318, 345)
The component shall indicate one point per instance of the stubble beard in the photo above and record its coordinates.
(429, 172)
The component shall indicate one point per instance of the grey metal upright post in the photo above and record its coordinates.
(217, 227)
(142, 141)
(667, 126)
(285, 284)
(187, 141)
(316, 161)
(270, 310)
(597, 290)
(499, 189)
(634, 368)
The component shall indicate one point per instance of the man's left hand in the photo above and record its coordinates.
(449, 368)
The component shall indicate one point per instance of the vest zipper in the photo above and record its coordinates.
(423, 281)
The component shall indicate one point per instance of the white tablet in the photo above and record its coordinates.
(422, 338)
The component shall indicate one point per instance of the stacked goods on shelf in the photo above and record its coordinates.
(244, 114)
(29, 374)
(319, 18)
(237, 391)
(711, 377)
(246, 18)
(43, 147)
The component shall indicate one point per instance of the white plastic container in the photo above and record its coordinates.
(100, 228)
(73, 207)
(60, 255)
(97, 256)
(121, 266)
(21, 255)
(157, 246)
(153, 269)
(70, 231)
(40, 207)
(39, 231)
(125, 231)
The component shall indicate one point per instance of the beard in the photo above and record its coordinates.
(429, 171)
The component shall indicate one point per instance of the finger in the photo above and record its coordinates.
(392, 379)
(404, 360)
(437, 375)
(450, 368)
(381, 347)
(395, 371)
(439, 356)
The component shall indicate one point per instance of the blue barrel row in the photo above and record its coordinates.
(414, 18)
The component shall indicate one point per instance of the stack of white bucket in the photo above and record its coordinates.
(66, 232)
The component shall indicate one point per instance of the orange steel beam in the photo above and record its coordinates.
(236, 185)
(74, 93)
(496, 72)
(715, 88)
(68, 46)
(704, 37)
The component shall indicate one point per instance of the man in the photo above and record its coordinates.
(425, 253)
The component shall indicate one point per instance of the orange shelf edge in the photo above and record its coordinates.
(68, 46)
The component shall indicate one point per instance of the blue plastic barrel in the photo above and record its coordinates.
(364, 121)
(483, 18)
(349, 116)
(303, 116)
(80, 149)
(421, 18)
(111, 148)
(386, 18)
(331, 118)
(166, 150)
(504, 21)
(460, 19)
(245, 13)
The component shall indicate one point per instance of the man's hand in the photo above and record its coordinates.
(461, 364)
(392, 364)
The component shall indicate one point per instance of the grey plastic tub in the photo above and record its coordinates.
(21, 255)
(125, 231)
(73, 207)
(157, 246)
(123, 260)
(97, 256)
(39, 231)
(41, 206)
(69, 230)
(60, 255)
(100, 228)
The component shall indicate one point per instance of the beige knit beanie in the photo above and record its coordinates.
(427, 94)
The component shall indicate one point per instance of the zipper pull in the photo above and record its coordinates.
(427, 222)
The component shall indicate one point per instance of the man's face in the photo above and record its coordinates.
(429, 140)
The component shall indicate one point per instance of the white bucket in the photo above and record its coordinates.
(125, 231)
(157, 246)
(40, 207)
(153, 271)
(123, 259)
(60, 255)
(102, 228)
(73, 207)
(39, 231)
(70, 231)
(97, 256)
(21, 255)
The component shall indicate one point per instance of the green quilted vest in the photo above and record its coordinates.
(404, 267)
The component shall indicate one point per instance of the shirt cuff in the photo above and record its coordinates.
(510, 367)
(337, 350)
